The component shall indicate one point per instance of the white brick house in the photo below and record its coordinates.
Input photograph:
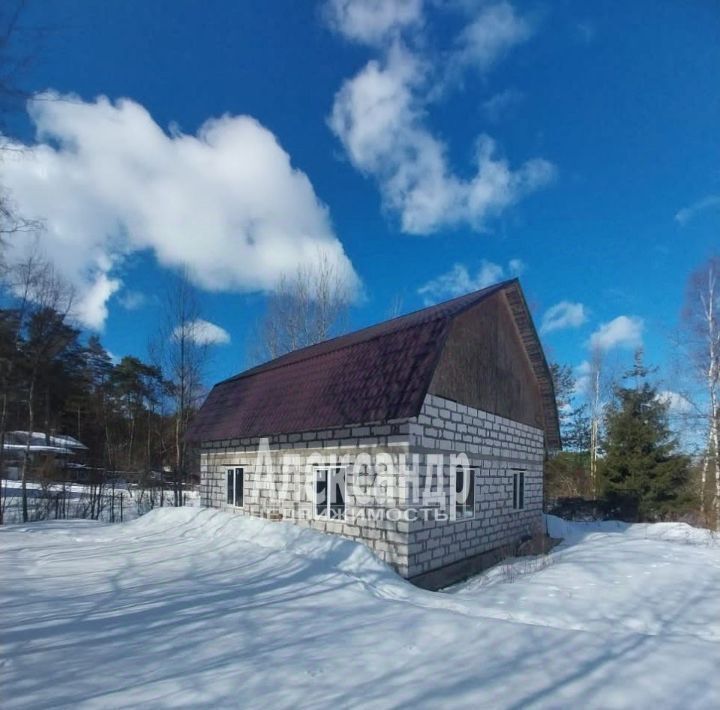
(355, 435)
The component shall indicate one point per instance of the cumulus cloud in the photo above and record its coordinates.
(684, 215)
(459, 280)
(621, 332)
(563, 315)
(379, 116)
(372, 21)
(108, 181)
(203, 332)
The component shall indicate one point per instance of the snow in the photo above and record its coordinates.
(41, 500)
(197, 608)
(44, 441)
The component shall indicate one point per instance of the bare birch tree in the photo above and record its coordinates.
(596, 410)
(307, 307)
(182, 354)
(701, 343)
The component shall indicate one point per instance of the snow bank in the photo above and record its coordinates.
(332, 550)
(573, 532)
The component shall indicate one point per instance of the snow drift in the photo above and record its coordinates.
(197, 608)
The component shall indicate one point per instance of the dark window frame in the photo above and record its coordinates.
(329, 509)
(518, 490)
(232, 476)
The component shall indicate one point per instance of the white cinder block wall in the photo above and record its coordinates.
(387, 539)
(495, 446)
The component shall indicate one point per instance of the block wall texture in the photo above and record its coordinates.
(495, 446)
(278, 487)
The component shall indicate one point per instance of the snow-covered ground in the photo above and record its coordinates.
(123, 503)
(197, 608)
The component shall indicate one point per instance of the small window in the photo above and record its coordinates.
(235, 487)
(519, 490)
(464, 492)
(330, 492)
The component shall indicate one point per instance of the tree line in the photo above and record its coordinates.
(132, 414)
(638, 450)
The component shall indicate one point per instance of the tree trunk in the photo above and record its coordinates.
(26, 459)
(3, 420)
(716, 458)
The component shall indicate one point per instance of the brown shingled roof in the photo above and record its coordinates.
(376, 374)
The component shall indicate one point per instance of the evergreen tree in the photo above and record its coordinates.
(567, 472)
(641, 462)
(574, 418)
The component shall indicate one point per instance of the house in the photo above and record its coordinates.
(49, 453)
(423, 437)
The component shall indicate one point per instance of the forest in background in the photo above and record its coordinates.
(634, 448)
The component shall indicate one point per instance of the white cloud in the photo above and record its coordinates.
(517, 267)
(108, 181)
(91, 308)
(676, 403)
(621, 332)
(563, 315)
(372, 21)
(493, 32)
(582, 378)
(502, 103)
(379, 116)
(132, 300)
(684, 215)
(459, 280)
(203, 332)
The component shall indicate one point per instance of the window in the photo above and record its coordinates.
(330, 492)
(235, 487)
(464, 492)
(519, 490)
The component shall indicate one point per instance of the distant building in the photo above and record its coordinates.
(465, 377)
(49, 453)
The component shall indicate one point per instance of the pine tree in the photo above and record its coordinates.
(574, 418)
(641, 462)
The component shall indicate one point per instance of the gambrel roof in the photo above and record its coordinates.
(376, 374)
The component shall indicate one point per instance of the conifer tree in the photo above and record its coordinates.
(640, 461)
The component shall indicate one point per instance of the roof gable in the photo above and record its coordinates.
(376, 374)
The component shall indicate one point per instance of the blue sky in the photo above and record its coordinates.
(430, 147)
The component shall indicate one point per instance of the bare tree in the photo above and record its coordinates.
(701, 348)
(18, 51)
(19, 45)
(596, 409)
(307, 307)
(182, 354)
